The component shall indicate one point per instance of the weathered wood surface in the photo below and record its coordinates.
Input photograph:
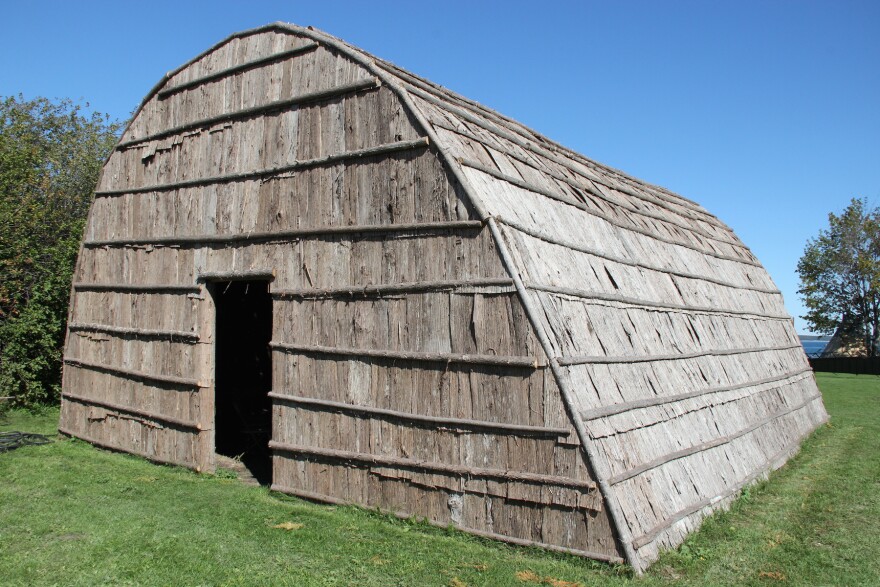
(241, 67)
(401, 344)
(428, 259)
(446, 423)
(615, 270)
(271, 172)
(403, 229)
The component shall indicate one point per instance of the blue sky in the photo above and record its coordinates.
(766, 113)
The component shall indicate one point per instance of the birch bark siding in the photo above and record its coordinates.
(595, 374)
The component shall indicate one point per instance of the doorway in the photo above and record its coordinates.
(243, 374)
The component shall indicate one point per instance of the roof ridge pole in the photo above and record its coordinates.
(617, 520)
(616, 515)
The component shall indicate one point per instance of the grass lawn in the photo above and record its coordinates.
(71, 514)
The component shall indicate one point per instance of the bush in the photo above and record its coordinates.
(51, 155)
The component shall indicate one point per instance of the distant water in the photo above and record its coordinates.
(814, 348)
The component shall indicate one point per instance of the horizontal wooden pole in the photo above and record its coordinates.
(555, 240)
(171, 335)
(130, 449)
(630, 226)
(285, 235)
(136, 288)
(444, 468)
(692, 450)
(264, 174)
(316, 96)
(393, 288)
(611, 410)
(435, 421)
(320, 497)
(598, 359)
(256, 274)
(593, 295)
(188, 424)
(132, 374)
(768, 465)
(248, 65)
(523, 362)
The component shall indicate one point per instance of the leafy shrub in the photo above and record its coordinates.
(51, 154)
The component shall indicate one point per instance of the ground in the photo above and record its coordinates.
(75, 515)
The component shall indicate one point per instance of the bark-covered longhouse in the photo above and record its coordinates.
(389, 295)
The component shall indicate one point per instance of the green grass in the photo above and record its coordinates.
(71, 514)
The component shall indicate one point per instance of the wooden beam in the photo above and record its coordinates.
(170, 335)
(136, 288)
(256, 274)
(392, 288)
(267, 173)
(285, 235)
(519, 362)
(316, 96)
(547, 237)
(593, 295)
(433, 421)
(438, 467)
(768, 465)
(697, 448)
(602, 360)
(240, 68)
(611, 410)
(188, 424)
(132, 374)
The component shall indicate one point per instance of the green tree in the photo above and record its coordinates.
(840, 276)
(51, 153)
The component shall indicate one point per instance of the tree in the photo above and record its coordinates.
(840, 276)
(51, 154)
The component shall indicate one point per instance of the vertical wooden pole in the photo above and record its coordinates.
(205, 360)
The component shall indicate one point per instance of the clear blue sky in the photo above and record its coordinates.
(767, 113)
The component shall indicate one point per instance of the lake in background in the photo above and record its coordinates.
(814, 345)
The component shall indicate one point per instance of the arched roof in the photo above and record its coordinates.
(670, 342)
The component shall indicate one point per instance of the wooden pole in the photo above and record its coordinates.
(434, 421)
(391, 461)
(519, 362)
(287, 235)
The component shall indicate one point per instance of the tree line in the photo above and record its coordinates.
(840, 278)
(51, 154)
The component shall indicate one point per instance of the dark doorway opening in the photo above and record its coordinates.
(243, 374)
